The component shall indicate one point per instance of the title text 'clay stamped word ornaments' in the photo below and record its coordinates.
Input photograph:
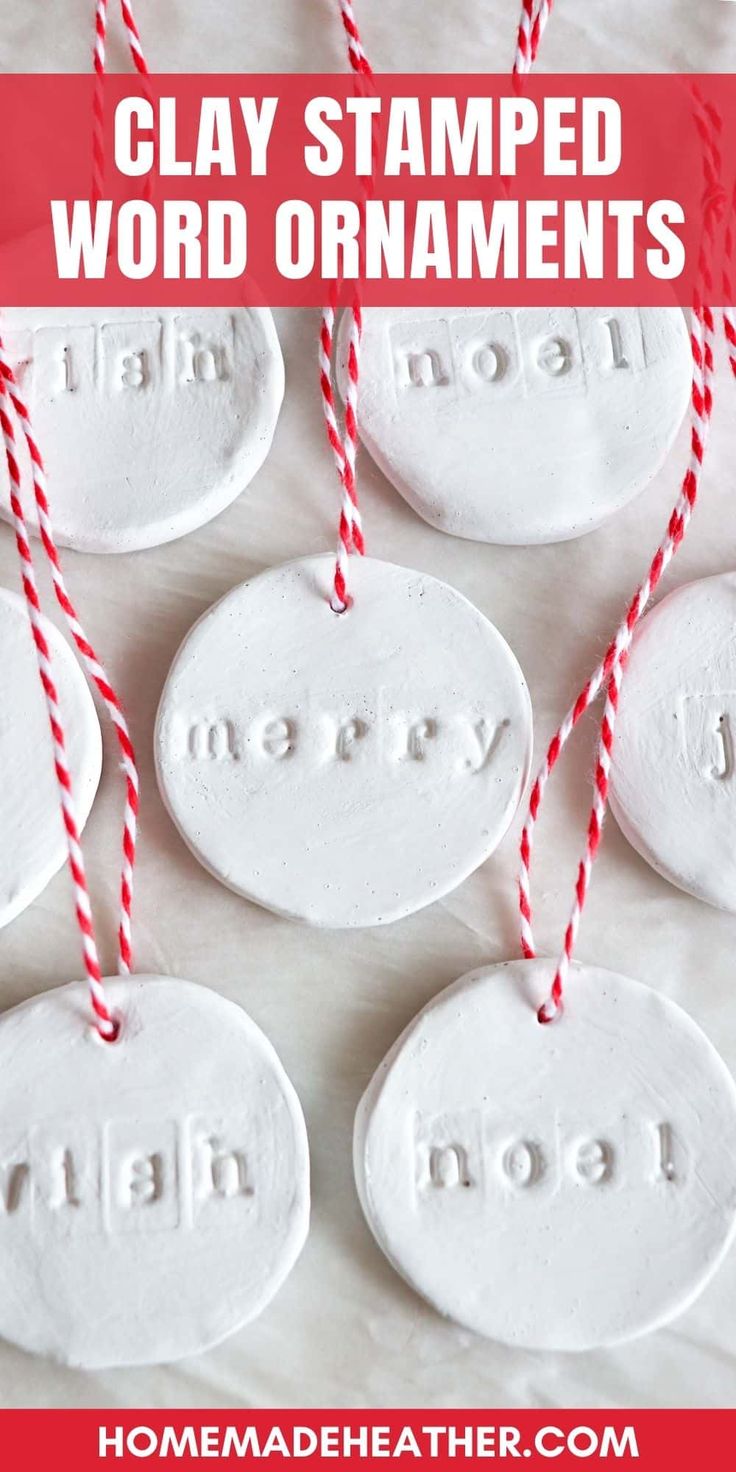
(673, 778)
(343, 769)
(32, 839)
(153, 420)
(521, 425)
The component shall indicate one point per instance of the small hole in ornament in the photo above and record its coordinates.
(547, 1013)
(109, 1039)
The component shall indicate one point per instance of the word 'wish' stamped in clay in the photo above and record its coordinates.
(154, 1192)
(152, 420)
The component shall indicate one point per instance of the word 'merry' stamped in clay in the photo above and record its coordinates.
(390, 731)
(344, 769)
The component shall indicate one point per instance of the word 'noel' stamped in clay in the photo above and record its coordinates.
(343, 769)
(475, 1150)
(551, 1187)
(152, 419)
(509, 351)
(521, 425)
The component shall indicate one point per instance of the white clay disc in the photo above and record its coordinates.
(673, 778)
(154, 1192)
(521, 425)
(152, 419)
(559, 1187)
(343, 769)
(32, 839)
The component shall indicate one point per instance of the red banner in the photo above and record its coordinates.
(77, 1441)
(436, 190)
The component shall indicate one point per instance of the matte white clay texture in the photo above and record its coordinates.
(152, 419)
(154, 1192)
(558, 1187)
(343, 769)
(32, 839)
(673, 780)
(521, 425)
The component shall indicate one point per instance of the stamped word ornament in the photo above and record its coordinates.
(153, 419)
(343, 769)
(673, 777)
(551, 1188)
(154, 1193)
(32, 842)
(521, 425)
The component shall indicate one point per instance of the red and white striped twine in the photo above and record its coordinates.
(104, 1019)
(531, 28)
(13, 406)
(103, 1016)
(356, 55)
(98, 105)
(98, 101)
(611, 669)
(134, 39)
(344, 444)
(94, 666)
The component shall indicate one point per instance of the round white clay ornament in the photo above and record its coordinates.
(559, 1187)
(32, 840)
(673, 776)
(521, 425)
(154, 1192)
(343, 769)
(152, 419)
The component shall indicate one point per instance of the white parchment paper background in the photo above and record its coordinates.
(345, 1331)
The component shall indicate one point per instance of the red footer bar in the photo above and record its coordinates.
(658, 1441)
